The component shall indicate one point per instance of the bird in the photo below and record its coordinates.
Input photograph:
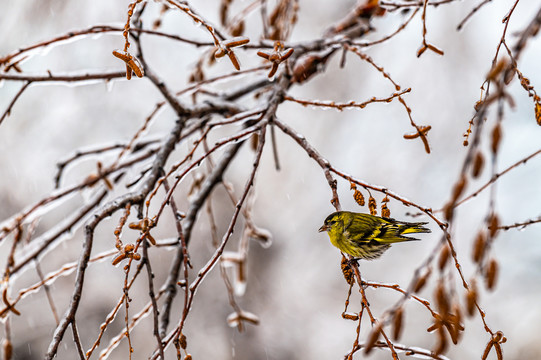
(365, 236)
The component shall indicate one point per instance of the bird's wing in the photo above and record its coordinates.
(365, 228)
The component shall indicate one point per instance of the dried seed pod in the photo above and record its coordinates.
(373, 338)
(478, 163)
(359, 198)
(444, 257)
(491, 274)
(496, 138)
(479, 247)
(397, 324)
(188, 357)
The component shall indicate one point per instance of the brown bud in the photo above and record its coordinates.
(422, 281)
(118, 259)
(459, 188)
(397, 324)
(478, 105)
(496, 138)
(183, 342)
(509, 75)
(471, 298)
(491, 274)
(234, 60)
(487, 350)
(444, 257)
(497, 69)
(7, 349)
(347, 316)
(479, 247)
(494, 223)
(442, 300)
(373, 338)
(499, 352)
(454, 326)
(498, 336)
(448, 211)
(236, 41)
(478, 163)
(254, 140)
(134, 226)
(238, 29)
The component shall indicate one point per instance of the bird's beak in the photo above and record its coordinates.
(323, 228)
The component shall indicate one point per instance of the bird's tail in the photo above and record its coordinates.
(412, 228)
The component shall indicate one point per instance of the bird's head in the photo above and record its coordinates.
(334, 221)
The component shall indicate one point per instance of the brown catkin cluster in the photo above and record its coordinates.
(372, 205)
(347, 271)
(359, 198)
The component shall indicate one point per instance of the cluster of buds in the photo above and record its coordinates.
(448, 318)
(101, 174)
(225, 48)
(126, 252)
(132, 64)
(144, 226)
(277, 56)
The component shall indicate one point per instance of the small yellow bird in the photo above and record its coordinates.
(365, 236)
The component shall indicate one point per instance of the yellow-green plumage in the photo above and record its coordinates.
(367, 236)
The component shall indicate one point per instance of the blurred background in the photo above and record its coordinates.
(295, 286)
